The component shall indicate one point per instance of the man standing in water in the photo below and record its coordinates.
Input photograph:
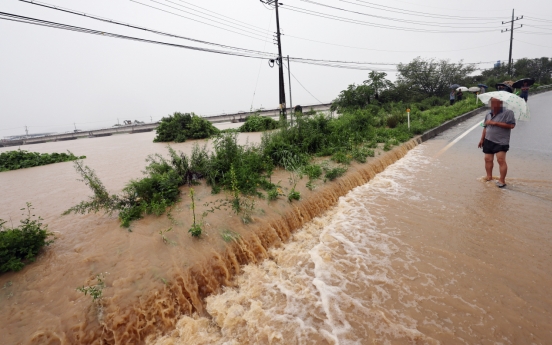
(496, 139)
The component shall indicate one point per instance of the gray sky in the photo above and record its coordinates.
(51, 78)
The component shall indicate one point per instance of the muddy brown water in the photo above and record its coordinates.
(424, 253)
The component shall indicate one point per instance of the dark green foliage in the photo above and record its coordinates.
(294, 195)
(353, 97)
(179, 127)
(313, 171)
(342, 157)
(360, 154)
(256, 123)
(20, 246)
(334, 173)
(13, 160)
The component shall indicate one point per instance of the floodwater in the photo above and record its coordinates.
(424, 253)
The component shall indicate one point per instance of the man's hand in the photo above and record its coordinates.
(490, 123)
(480, 143)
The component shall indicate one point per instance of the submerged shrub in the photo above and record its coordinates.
(20, 159)
(257, 123)
(20, 246)
(334, 173)
(179, 127)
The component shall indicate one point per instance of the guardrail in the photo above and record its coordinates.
(140, 128)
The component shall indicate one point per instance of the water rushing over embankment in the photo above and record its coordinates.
(149, 284)
(409, 258)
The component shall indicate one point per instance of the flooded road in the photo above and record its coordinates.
(425, 253)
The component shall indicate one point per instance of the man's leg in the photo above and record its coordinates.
(489, 158)
(501, 158)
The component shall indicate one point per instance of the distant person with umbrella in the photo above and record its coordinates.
(525, 91)
(459, 95)
(524, 85)
(452, 96)
(495, 139)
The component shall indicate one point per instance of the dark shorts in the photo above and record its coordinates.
(524, 96)
(490, 147)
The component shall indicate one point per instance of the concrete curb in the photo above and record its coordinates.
(432, 133)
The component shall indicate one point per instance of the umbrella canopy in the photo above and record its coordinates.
(474, 89)
(511, 102)
(504, 87)
(454, 86)
(518, 84)
(508, 82)
(462, 88)
(483, 86)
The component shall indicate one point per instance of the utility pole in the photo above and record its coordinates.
(26, 131)
(511, 39)
(283, 114)
(289, 81)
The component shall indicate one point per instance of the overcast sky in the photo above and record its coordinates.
(52, 78)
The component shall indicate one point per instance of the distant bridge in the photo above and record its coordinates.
(148, 127)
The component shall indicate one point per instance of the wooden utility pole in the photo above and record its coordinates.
(280, 61)
(511, 39)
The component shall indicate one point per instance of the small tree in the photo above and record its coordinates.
(353, 97)
(432, 77)
(376, 80)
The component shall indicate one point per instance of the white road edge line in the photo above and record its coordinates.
(456, 140)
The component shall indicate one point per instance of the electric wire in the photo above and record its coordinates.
(195, 20)
(394, 51)
(297, 80)
(364, 23)
(533, 44)
(221, 15)
(415, 22)
(250, 32)
(417, 13)
(66, 10)
(244, 28)
(39, 22)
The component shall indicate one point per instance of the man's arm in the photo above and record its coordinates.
(482, 138)
(500, 124)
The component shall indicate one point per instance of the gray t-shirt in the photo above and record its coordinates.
(497, 134)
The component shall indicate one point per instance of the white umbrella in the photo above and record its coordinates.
(474, 89)
(462, 88)
(511, 101)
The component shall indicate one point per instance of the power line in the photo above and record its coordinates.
(39, 22)
(533, 44)
(221, 15)
(393, 51)
(111, 21)
(358, 22)
(417, 13)
(446, 25)
(195, 20)
(216, 20)
(297, 80)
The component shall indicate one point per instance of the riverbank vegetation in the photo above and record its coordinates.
(21, 245)
(257, 123)
(246, 170)
(20, 159)
(180, 127)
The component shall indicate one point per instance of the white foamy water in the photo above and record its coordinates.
(332, 282)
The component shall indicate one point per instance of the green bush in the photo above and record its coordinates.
(20, 159)
(256, 123)
(20, 246)
(342, 158)
(334, 173)
(313, 171)
(179, 127)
